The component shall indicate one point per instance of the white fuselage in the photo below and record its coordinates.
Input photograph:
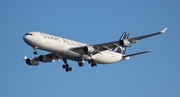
(62, 46)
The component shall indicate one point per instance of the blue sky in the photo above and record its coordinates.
(156, 74)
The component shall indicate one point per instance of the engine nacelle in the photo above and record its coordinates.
(125, 43)
(44, 58)
(90, 49)
(32, 62)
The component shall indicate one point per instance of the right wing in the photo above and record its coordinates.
(50, 57)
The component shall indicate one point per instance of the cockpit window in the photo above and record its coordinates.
(28, 34)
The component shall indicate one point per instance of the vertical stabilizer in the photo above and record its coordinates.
(125, 35)
(122, 50)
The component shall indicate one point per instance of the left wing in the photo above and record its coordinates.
(135, 39)
(122, 42)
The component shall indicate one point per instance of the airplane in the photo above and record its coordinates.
(65, 49)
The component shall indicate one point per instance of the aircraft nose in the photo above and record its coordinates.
(24, 37)
(27, 37)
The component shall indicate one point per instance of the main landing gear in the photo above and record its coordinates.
(66, 66)
(81, 63)
(92, 62)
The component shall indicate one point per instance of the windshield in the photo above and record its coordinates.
(28, 34)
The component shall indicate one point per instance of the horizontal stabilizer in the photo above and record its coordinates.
(25, 57)
(135, 54)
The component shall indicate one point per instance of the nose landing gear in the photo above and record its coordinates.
(35, 50)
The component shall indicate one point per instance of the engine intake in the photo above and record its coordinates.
(125, 43)
(90, 49)
(44, 58)
(32, 62)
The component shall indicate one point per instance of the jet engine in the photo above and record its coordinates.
(32, 61)
(125, 43)
(90, 49)
(44, 58)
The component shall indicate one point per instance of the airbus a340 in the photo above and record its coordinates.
(66, 49)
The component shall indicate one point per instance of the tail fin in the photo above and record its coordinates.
(125, 35)
(122, 50)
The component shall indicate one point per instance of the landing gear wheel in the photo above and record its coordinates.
(67, 65)
(35, 52)
(89, 61)
(68, 69)
(95, 64)
(63, 66)
(81, 64)
(92, 65)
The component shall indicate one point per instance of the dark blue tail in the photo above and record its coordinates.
(122, 50)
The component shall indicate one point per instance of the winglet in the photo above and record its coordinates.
(164, 30)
